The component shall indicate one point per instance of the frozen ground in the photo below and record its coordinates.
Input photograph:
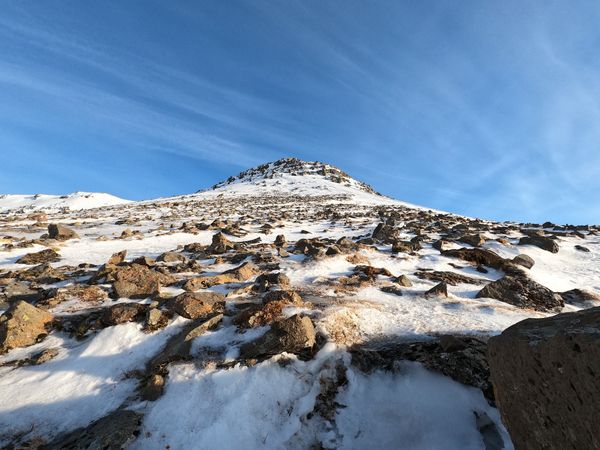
(219, 401)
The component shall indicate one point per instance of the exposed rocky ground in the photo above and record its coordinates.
(288, 307)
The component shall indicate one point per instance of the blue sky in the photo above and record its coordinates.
(485, 108)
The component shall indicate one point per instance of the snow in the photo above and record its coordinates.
(74, 201)
(84, 382)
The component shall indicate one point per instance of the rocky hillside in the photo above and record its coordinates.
(287, 307)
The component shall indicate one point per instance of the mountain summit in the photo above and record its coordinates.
(313, 175)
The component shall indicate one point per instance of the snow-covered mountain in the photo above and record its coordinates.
(290, 306)
(73, 201)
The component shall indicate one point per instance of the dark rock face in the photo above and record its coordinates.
(292, 335)
(60, 232)
(439, 290)
(112, 432)
(545, 375)
(545, 243)
(405, 247)
(580, 297)
(523, 292)
(461, 358)
(451, 278)
(22, 325)
(385, 233)
(581, 248)
(45, 256)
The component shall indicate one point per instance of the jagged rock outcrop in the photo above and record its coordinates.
(523, 292)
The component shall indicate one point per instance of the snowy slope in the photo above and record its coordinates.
(74, 201)
(216, 400)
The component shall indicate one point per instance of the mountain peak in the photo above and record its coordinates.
(294, 167)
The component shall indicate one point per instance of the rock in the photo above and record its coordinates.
(154, 388)
(45, 256)
(117, 258)
(22, 325)
(261, 315)
(155, 320)
(266, 281)
(280, 241)
(17, 291)
(476, 240)
(477, 256)
(123, 313)
(492, 439)
(236, 275)
(391, 290)
(405, 247)
(545, 243)
(403, 280)
(461, 358)
(523, 292)
(439, 290)
(136, 281)
(385, 233)
(580, 297)
(581, 248)
(440, 244)
(112, 432)
(178, 347)
(372, 272)
(220, 244)
(524, 260)
(288, 296)
(43, 274)
(60, 232)
(195, 305)
(451, 278)
(292, 335)
(172, 257)
(545, 376)
(44, 356)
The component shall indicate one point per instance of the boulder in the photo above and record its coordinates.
(543, 242)
(195, 305)
(60, 232)
(405, 247)
(136, 281)
(385, 233)
(117, 258)
(579, 297)
(293, 335)
(581, 248)
(545, 376)
(236, 275)
(523, 292)
(280, 241)
(451, 278)
(45, 256)
(403, 280)
(524, 260)
(439, 290)
(172, 257)
(22, 325)
(286, 295)
(476, 240)
(478, 256)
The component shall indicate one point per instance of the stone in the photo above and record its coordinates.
(266, 281)
(60, 232)
(405, 247)
(280, 241)
(579, 297)
(439, 290)
(236, 275)
(372, 272)
(112, 432)
(154, 388)
(476, 240)
(391, 290)
(155, 320)
(545, 375)
(195, 305)
(136, 281)
(44, 256)
(294, 335)
(479, 256)
(123, 313)
(172, 257)
(451, 278)
(545, 243)
(581, 248)
(287, 296)
(385, 233)
(523, 292)
(17, 290)
(524, 260)
(23, 325)
(403, 280)
(117, 258)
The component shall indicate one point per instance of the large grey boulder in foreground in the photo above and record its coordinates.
(546, 377)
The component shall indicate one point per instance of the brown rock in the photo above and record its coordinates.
(136, 281)
(22, 325)
(45, 256)
(545, 243)
(117, 258)
(292, 335)
(123, 313)
(195, 305)
(440, 289)
(61, 232)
